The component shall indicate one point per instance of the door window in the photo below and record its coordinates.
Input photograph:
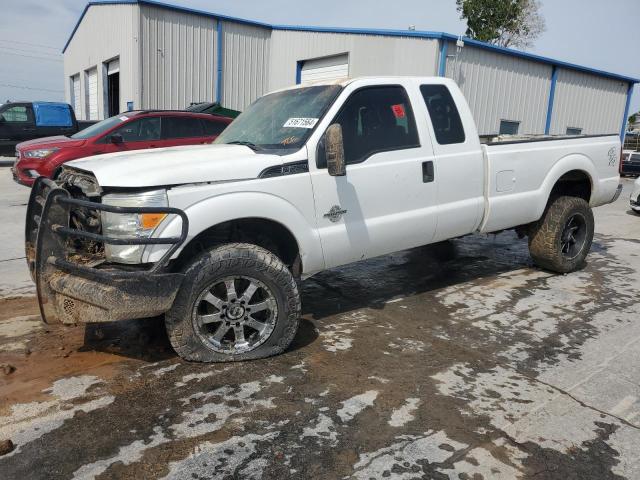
(445, 118)
(374, 120)
(141, 130)
(182, 127)
(17, 114)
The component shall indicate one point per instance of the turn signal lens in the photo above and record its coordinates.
(151, 220)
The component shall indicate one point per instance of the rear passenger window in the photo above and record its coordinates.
(213, 127)
(374, 120)
(444, 114)
(182, 127)
(17, 114)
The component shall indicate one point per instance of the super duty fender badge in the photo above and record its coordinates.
(335, 214)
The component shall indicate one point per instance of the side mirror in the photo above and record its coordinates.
(334, 148)
(116, 139)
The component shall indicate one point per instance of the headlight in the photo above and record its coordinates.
(41, 153)
(119, 225)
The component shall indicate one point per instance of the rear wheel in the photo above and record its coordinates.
(237, 302)
(561, 239)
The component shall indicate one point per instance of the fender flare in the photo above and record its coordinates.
(571, 162)
(226, 207)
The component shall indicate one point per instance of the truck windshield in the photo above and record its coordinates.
(281, 120)
(100, 127)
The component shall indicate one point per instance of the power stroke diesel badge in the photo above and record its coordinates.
(335, 214)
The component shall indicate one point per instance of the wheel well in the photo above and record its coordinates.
(575, 183)
(264, 233)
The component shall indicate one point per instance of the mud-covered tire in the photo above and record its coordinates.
(229, 260)
(546, 235)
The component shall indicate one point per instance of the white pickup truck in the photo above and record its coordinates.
(308, 178)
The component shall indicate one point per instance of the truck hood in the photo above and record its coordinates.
(59, 141)
(176, 165)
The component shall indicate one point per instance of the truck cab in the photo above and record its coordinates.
(307, 178)
(22, 121)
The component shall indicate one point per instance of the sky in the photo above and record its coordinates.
(595, 33)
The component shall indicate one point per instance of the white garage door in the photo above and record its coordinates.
(92, 94)
(325, 69)
(75, 95)
(113, 66)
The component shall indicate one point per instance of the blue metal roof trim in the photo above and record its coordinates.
(364, 31)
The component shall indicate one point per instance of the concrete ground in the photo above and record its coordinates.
(462, 363)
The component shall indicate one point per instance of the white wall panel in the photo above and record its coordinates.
(368, 54)
(501, 87)
(178, 58)
(245, 64)
(106, 32)
(595, 104)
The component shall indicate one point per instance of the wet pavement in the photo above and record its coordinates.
(455, 361)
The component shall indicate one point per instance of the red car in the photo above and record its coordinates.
(127, 131)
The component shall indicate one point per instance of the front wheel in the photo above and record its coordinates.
(237, 302)
(561, 239)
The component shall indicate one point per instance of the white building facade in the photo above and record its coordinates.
(139, 54)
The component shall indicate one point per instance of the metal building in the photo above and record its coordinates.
(141, 54)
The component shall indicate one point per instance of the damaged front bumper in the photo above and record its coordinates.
(75, 289)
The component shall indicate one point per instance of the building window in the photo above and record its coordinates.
(509, 127)
(574, 131)
(445, 118)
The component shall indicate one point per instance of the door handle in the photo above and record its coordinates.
(427, 172)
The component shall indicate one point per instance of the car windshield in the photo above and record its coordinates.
(100, 127)
(281, 120)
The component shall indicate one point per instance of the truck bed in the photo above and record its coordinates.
(521, 172)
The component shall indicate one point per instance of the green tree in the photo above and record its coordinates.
(508, 23)
(633, 118)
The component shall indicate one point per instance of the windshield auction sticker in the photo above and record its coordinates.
(301, 123)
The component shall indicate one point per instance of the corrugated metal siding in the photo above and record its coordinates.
(368, 54)
(178, 58)
(500, 87)
(595, 104)
(106, 32)
(245, 64)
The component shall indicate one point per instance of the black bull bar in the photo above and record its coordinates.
(93, 291)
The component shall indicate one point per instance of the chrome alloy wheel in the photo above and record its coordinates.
(235, 314)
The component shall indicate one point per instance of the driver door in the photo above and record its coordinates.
(387, 200)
